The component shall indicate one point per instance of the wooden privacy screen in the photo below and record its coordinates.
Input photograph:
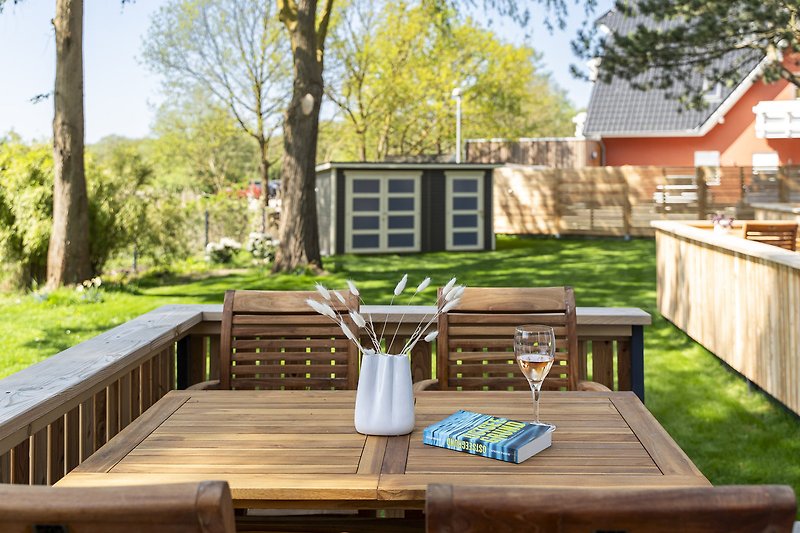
(781, 234)
(274, 340)
(475, 348)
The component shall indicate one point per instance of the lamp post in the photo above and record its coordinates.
(457, 95)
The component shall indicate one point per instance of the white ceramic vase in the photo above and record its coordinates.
(384, 399)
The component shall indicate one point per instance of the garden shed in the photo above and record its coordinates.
(404, 207)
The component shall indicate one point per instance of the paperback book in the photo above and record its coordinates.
(490, 436)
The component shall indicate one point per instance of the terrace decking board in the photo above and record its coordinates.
(298, 449)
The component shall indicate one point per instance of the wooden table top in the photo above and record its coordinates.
(296, 449)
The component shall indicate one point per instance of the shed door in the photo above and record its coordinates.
(464, 210)
(382, 213)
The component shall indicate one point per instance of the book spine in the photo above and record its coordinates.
(474, 448)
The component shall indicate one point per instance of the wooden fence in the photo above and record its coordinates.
(621, 201)
(55, 414)
(546, 152)
(738, 298)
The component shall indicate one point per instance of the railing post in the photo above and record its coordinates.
(637, 361)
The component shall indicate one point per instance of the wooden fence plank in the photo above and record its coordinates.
(87, 429)
(5, 467)
(112, 410)
(603, 362)
(39, 451)
(197, 359)
(124, 401)
(20, 463)
(100, 406)
(55, 451)
(72, 432)
(145, 384)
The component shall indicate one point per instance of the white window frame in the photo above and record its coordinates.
(449, 211)
(383, 195)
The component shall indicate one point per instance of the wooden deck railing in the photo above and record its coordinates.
(55, 414)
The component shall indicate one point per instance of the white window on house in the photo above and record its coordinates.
(464, 213)
(777, 119)
(766, 162)
(712, 92)
(708, 159)
(382, 212)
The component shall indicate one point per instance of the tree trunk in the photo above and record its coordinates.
(68, 254)
(299, 235)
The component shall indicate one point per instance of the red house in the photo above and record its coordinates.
(750, 124)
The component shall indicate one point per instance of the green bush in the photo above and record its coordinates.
(26, 206)
(125, 211)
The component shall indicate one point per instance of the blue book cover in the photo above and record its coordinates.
(490, 436)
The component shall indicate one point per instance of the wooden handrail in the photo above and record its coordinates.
(54, 414)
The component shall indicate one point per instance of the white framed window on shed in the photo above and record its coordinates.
(464, 213)
(709, 159)
(382, 212)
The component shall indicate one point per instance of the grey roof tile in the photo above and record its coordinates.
(616, 107)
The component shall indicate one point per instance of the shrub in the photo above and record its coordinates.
(223, 251)
(261, 246)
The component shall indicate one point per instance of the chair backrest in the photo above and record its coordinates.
(475, 348)
(204, 507)
(782, 234)
(731, 509)
(274, 340)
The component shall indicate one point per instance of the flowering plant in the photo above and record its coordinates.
(451, 297)
(722, 221)
(261, 246)
(222, 251)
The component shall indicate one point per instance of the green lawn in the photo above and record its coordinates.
(732, 433)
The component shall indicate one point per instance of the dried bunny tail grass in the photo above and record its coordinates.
(339, 297)
(358, 319)
(325, 293)
(323, 309)
(422, 286)
(432, 335)
(401, 286)
(352, 287)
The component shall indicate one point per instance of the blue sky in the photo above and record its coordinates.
(121, 94)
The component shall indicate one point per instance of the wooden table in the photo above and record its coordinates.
(298, 449)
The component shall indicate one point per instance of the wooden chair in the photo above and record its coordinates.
(274, 340)
(731, 509)
(782, 234)
(475, 348)
(204, 507)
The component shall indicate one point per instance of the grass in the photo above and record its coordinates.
(733, 433)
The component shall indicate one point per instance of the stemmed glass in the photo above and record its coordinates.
(535, 350)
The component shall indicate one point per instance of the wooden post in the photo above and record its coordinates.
(783, 186)
(637, 361)
(702, 193)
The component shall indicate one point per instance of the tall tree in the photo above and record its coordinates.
(233, 49)
(393, 67)
(299, 235)
(711, 40)
(68, 258)
(307, 27)
(198, 145)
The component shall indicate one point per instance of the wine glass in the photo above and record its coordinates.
(535, 350)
